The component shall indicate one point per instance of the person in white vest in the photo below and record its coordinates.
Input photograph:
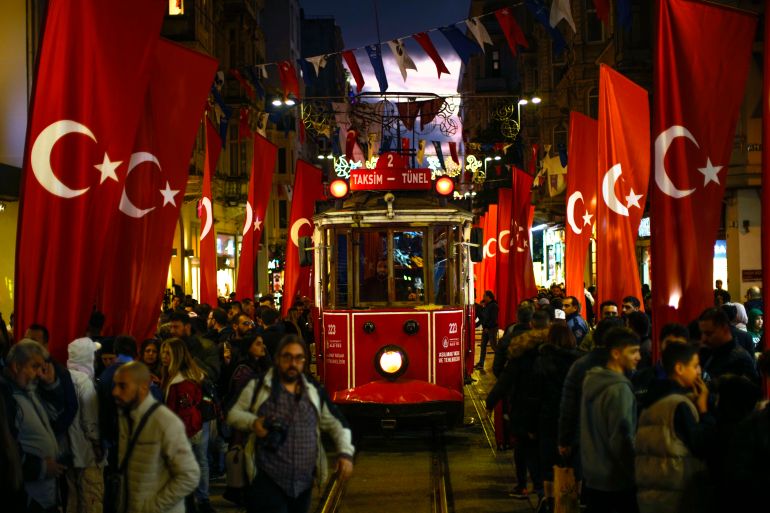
(160, 470)
(673, 437)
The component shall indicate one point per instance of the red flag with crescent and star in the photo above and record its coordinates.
(504, 244)
(308, 189)
(624, 170)
(87, 104)
(260, 185)
(156, 177)
(699, 89)
(207, 254)
(522, 214)
(581, 199)
(479, 268)
(490, 250)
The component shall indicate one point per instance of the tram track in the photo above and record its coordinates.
(397, 479)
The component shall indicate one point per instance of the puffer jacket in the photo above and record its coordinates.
(243, 414)
(667, 474)
(84, 431)
(162, 470)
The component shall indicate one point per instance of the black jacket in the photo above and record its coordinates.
(569, 411)
(747, 459)
(487, 315)
(501, 351)
(730, 358)
(549, 372)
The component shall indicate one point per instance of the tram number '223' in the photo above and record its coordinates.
(452, 328)
(331, 329)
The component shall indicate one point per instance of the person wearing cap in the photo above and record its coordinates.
(85, 480)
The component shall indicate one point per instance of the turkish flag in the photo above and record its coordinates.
(504, 244)
(260, 185)
(520, 264)
(511, 30)
(699, 86)
(581, 198)
(208, 246)
(288, 76)
(308, 189)
(137, 267)
(490, 250)
(624, 170)
(93, 72)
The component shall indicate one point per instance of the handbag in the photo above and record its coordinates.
(114, 481)
(565, 490)
(235, 458)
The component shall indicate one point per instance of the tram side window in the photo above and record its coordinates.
(441, 264)
(342, 270)
(373, 266)
(408, 266)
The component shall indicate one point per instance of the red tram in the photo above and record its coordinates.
(394, 285)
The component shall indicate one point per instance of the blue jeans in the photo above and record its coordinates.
(200, 449)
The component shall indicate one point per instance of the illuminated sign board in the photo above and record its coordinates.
(391, 174)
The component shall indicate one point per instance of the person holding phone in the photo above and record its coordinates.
(673, 438)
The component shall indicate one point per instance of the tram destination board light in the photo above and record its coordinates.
(445, 186)
(338, 188)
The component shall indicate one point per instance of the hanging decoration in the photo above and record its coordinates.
(350, 60)
(479, 32)
(542, 15)
(402, 57)
(375, 57)
(511, 30)
(464, 47)
(561, 10)
(288, 79)
(424, 40)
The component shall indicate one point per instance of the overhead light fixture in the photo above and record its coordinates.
(290, 102)
(330, 156)
(277, 103)
(523, 101)
(498, 157)
(536, 100)
(487, 158)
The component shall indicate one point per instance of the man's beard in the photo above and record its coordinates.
(289, 378)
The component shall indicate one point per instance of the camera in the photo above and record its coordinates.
(277, 431)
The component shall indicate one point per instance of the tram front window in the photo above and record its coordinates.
(409, 266)
(373, 267)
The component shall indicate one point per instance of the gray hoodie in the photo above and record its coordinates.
(607, 429)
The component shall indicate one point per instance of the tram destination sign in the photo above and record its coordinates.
(391, 174)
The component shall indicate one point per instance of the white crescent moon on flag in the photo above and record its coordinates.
(206, 202)
(126, 205)
(502, 248)
(40, 156)
(577, 195)
(662, 143)
(487, 252)
(608, 191)
(249, 219)
(294, 232)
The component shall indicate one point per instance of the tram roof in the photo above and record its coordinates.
(407, 207)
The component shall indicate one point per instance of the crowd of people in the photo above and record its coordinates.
(687, 433)
(124, 426)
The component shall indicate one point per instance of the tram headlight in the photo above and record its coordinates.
(391, 362)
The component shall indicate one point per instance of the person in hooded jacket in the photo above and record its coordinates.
(85, 479)
(514, 385)
(554, 360)
(608, 419)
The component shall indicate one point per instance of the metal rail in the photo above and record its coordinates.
(441, 489)
(332, 496)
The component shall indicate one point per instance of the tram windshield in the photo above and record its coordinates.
(398, 266)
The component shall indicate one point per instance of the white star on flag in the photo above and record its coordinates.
(257, 224)
(168, 195)
(587, 219)
(107, 168)
(633, 199)
(710, 172)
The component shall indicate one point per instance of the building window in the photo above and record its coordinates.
(493, 64)
(593, 25)
(593, 103)
(283, 217)
(281, 161)
(175, 7)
